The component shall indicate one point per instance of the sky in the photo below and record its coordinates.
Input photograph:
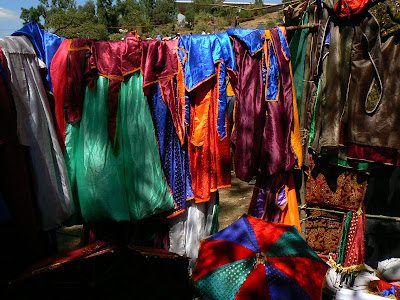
(10, 10)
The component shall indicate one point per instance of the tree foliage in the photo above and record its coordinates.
(100, 19)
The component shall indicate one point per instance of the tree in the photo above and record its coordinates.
(37, 14)
(92, 19)
(44, 9)
(195, 11)
(164, 12)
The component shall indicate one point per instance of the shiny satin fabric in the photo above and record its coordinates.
(174, 156)
(346, 8)
(298, 45)
(159, 64)
(45, 43)
(281, 138)
(252, 38)
(271, 198)
(129, 186)
(78, 70)
(200, 56)
(204, 63)
(249, 111)
(51, 183)
(265, 132)
(19, 206)
(274, 200)
(58, 72)
(188, 229)
(112, 59)
(210, 164)
(67, 133)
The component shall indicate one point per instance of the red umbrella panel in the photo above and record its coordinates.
(256, 259)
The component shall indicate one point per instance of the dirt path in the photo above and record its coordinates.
(234, 201)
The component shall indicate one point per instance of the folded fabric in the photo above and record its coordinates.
(390, 269)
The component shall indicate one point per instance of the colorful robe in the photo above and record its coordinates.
(117, 179)
(159, 68)
(45, 43)
(205, 61)
(266, 137)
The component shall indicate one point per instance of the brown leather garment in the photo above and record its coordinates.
(375, 121)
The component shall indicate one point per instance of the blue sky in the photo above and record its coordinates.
(10, 10)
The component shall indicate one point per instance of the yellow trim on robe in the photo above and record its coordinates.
(295, 134)
(290, 215)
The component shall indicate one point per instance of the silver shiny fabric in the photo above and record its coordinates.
(36, 130)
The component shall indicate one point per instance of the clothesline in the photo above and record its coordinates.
(304, 207)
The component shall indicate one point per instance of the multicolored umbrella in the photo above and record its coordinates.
(256, 259)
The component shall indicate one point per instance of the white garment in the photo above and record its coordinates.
(390, 269)
(346, 294)
(36, 130)
(333, 280)
(190, 227)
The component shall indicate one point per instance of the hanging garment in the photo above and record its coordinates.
(331, 108)
(67, 133)
(314, 49)
(281, 148)
(36, 130)
(174, 156)
(129, 186)
(334, 186)
(350, 256)
(298, 45)
(274, 200)
(266, 138)
(160, 65)
(115, 168)
(19, 207)
(159, 68)
(346, 8)
(189, 228)
(271, 198)
(323, 230)
(86, 60)
(374, 93)
(205, 61)
(249, 102)
(45, 43)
